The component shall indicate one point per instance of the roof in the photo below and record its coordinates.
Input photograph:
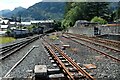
(42, 21)
(4, 26)
(3, 32)
(5, 21)
(113, 25)
(12, 22)
(26, 23)
(13, 28)
(18, 23)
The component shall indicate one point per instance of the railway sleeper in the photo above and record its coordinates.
(67, 64)
(78, 75)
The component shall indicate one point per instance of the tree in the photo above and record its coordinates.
(57, 25)
(84, 11)
(118, 12)
(99, 20)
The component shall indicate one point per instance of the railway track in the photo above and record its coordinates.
(94, 46)
(73, 71)
(112, 43)
(9, 50)
(17, 63)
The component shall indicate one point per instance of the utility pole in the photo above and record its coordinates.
(20, 24)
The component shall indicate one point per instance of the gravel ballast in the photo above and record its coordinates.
(37, 56)
(106, 68)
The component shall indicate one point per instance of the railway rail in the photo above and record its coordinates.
(9, 50)
(18, 62)
(107, 49)
(78, 40)
(112, 43)
(57, 53)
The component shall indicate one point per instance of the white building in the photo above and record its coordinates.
(4, 26)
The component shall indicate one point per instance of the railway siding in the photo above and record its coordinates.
(70, 54)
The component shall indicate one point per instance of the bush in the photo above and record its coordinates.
(99, 20)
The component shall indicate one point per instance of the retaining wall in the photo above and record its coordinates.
(89, 31)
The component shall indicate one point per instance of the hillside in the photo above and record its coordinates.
(13, 13)
(41, 10)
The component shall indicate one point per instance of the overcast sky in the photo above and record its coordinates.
(11, 4)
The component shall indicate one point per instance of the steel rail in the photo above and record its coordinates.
(61, 65)
(101, 52)
(96, 44)
(100, 40)
(79, 69)
(74, 64)
(4, 47)
(7, 49)
(18, 48)
(7, 74)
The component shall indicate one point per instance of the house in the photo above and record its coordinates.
(4, 26)
(25, 24)
(3, 29)
(5, 22)
(13, 24)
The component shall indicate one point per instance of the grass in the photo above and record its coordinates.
(53, 37)
(4, 40)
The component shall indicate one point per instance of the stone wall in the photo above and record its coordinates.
(109, 29)
(89, 31)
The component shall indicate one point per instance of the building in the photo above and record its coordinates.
(4, 26)
(25, 23)
(5, 22)
(41, 23)
(13, 24)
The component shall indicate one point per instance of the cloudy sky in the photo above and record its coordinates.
(11, 4)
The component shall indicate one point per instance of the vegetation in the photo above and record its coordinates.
(84, 11)
(53, 37)
(57, 25)
(29, 28)
(4, 40)
(99, 20)
(117, 13)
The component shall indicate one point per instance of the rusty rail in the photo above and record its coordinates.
(99, 40)
(13, 50)
(89, 40)
(61, 65)
(74, 64)
(100, 52)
